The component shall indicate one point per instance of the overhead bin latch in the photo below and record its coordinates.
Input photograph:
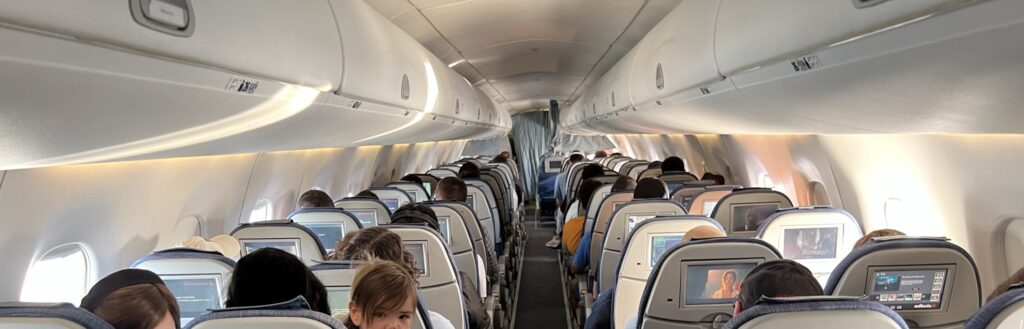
(174, 17)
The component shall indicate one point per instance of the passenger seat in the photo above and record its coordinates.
(281, 234)
(817, 237)
(18, 315)
(815, 312)
(291, 314)
(1003, 312)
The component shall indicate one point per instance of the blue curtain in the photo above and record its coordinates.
(531, 133)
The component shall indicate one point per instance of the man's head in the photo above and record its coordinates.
(315, 199)
(778, 278)
(367, 194)
(624, 183)
(719, 179)
(412, 178)
(505, 154)
(451, 189)
(703, 232)
(600, 154)
(469, 170)
(654, 165)
(650, 188)
(673, 164)
(591, 170)
(587, 189)
(416, 214)
(575, 158)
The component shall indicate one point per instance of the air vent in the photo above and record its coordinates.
(659, 78)
(405, 87)
(861, 4)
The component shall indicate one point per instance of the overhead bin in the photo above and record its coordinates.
(295, 42)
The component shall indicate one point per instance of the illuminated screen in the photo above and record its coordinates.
(709, 207)
(633, 220)
(687, 201)
(810, 243)
(442, 223)
(747, 217)
(674, 186)
(555, 164)
(617, 205)
(470, 201)
(367, 217)
(419, 253)
(714, 284)
(660, 244)
(908, 290)
(327, 233)
(196, 294)
(289, 245)
(392, 203)
(337, 300)
(426, 186)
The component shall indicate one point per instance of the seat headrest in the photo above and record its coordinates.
(997, 310)
(273, 233)
(185, 253)
(820, 312)
(290, 314)
(49, 316)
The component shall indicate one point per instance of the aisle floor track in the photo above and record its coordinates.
(541, 301)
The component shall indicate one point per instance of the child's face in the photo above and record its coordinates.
(396, 319)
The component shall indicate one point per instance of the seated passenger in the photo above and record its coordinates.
(367, 194)
(133, 299)
(648, 188)
(469, 170)
(572, 233)
(383, 297)
(654, 165)
(315, 199)
(616, 154)
(624, 183)
(226, 245)
(473, 297)
(379, 244)
(560, 182)
(505, 154)
(673, 164)
(412, 178)
(777, 278)
(876, 234)
(600, 154)
(269, 276)
(1015, 279)
(454, 189)
(719, 179)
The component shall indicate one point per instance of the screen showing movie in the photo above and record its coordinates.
(289, 245)
(633, 220)
(426, 186)
(443, 224)
(660, 244)
(337, 300)
(747, 217)
(714, 284)
(419, 253)
(687, 201)
(470, 201)
(555, 164)
(327, 233)
(391, 203)
(810, 243)
(709, 207)
(919, 289)
(367, 217)
(196, 294)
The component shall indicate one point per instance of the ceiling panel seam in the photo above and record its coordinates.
(496, 45)
(464, 59)
(573, 96)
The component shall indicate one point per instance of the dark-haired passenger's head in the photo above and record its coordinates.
(616, 154)
(469, 170)
(586, 192)
(623, 183)
(412, 178)
(375, 243)
(315, 199)
(778, 278)
(499, 159)
(718, 179)
(590, 171)
(654, 165)
(416, 214)
(451, 189)
(367, 194)
(131, 299)
(600, 154)
(673, 164)
(505, 154)
(650, 188)
(876, 234)
(269, 275)
(575, 158)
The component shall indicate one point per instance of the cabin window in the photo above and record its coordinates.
(60, 275)
(1013, 240)
(263, 211)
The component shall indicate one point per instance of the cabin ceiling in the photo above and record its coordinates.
(523, 53)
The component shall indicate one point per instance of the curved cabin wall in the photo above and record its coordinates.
(91, 84)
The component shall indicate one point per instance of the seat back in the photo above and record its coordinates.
(337, 277)
(392, 197)
(198, 279)
(675, 180)
(477, 200)
(817, 237)
(440, 285)
(593, 205)
(609, 205)
(816, 312)
(940, 279)
(743, 210)
(416, 191)
(329, 224)
(48, 316)
(1003, 312)
(429, 182)
(456, 232)
(688, 288)
(472, 223)
(635, 171)
(688, 194)
(617, 164)
(489, 201)
(572, 181)
(553, 164)
(622, 223)
(705, 202)
(652, 173)
(369, 212)
(291, 314)
(442, 173)
(281, 234)
(643, 249)
(628, 166)
(499, 198)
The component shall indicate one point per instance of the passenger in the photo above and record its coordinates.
(226, 245)
(367, 194)
(600, 154)
(505, 154)
(469, 170)
(702, 232)
(778, 278)
(412, 178)
(133, 299)
(454, 189)
(719, 179)
(650, 188)
(383, 297)
(616, 154)
(315, 199)
(876, 234)
(654, 165)
(270, 276)
(380, 244)
(590, 171)
(473, 296)
(1013, 280)
(673, 164)
(624, 183)
(572, 233)
(556, 240)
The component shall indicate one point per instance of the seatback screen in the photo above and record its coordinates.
(367, 217)
(810, 243)
(195, 293)
(443, 225)
(919, 289)
(633, 220)
(419, 253)
(709, 207)
(714, 284)
(289, 245)
(660, 244)
(747, 217)
(337, 300)
(673, 186)
(327, 233)
(426, 186)
(392, 203)
(555, 164)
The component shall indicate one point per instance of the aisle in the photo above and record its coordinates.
(541, 303)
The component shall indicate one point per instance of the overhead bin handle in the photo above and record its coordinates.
(174, 17)
(861, 4)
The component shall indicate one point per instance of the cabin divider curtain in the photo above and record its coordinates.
(531, 133)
